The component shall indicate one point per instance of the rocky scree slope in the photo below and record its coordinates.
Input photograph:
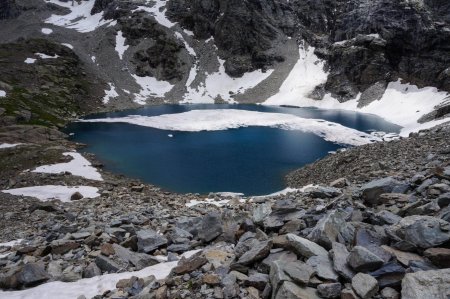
(377, 236)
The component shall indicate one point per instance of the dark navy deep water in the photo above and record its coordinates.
(252, 160)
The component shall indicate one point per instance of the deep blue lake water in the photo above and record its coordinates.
(251, 160)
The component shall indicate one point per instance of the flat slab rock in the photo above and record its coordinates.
(426, 284)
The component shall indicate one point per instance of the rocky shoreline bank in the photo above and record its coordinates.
(375, 224)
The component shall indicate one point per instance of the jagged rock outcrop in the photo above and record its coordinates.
(8, 9)
(364, 42)
(246, 33)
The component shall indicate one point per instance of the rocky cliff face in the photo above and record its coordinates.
(364, 42)
(246, 32)
(8, 9)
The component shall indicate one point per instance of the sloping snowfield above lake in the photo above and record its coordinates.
(223, 119)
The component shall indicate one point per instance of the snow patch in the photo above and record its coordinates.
(220, 84)
(223, 119)
(46, 31)
(158, 11)
(150, 87)
(30, 60)
(50, 192)
(11, 243)
(120, 44)
(190, 50)
(9, 145)
(2, 93)
(78, 166)
(67, 45)
(79, 18)
(188, 32)
(306, 74)
(110, 94)
(192, 75)
(45, 56)
(211, 201)
(285, 191)
(90, 287)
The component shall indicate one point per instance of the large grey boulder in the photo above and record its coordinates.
(261, 212)
(33, 274)
(323, 267)
(426, 284)
(364, 285)
(258, 252)
(246, 242)
(329, 290)
(139, 260)
(339, 255)
(327, 229)
(149, 240)
(282, 271)
(362, 260)
(289, 290)
(210, 227)
(91, 270)
(371, 191)
(304, 247)
(419, 232)
(299, 272)
(106, 264)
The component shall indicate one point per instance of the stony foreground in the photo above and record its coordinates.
(379, 229)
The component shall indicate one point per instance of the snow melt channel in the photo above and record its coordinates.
(223, 119)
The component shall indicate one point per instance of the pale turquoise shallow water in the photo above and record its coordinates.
(252, 160)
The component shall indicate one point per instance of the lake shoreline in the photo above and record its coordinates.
(125, 203)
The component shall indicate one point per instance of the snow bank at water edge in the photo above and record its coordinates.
(79, 18)
(90, 287)
(223, 119)
(49, 192)
(78, 166)
(402, 103)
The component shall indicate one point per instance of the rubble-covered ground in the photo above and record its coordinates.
(373, 224)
